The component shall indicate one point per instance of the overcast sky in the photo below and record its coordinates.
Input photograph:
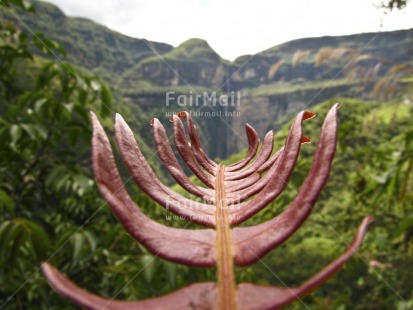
(235, 27)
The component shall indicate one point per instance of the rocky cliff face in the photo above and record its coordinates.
(269, 112)
(175, 73)
(193, 62)
(271, 93)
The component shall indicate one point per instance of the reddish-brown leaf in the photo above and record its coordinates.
(253, 296)
(191, 247)
(225, 205)
(195, 296)
(251, 243)
(169, 160)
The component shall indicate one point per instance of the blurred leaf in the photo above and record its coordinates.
(106, 97)
(64, 237)
(4, 231)
(46, 45)
(82, 95)
(39, 239)
(41, 130)
(170, 272)
(403, 226)
(9, 235)
(149, 266)
(29, 129)
(39, 104)
(19, 238)
(55, 175)
(91, 238)
(78, 241)
(408, 138)
(6, 202)
(15, 133)
(23, 4)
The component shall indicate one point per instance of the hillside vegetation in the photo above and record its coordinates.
(50, 208)
(141, 71)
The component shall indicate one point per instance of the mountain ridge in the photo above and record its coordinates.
(142, 72)
(121, 52)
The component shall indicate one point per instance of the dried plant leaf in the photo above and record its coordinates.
(233, 186)
(271, 161)
(144, 176)
(253, 143)
(203, 295)
(195, 296)
(253, 296)
(272, 183)
(185, 151)
(196, 146)
(191, 247)
(169, 160)
(260, 159)
(225, 205)
(251, 243)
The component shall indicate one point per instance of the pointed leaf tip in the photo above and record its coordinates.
(201, 247)
(305, 139)
(266, 297)
(118, 117)
(182, 114)
(308, 115)
(195, 296)
(154, 121)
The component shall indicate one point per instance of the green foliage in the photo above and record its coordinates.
(23, 4)
(371, 175)
(140, 77)
(46, 186)
(285, 88)
(22, 239)
(92, 46)
(50, 208)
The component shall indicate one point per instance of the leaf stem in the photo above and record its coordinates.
(225, 260)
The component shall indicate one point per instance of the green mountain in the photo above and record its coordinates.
(193, 62)
(88, 44)
(262, 87)
(394, 45)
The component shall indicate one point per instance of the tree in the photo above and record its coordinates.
(44, 143)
